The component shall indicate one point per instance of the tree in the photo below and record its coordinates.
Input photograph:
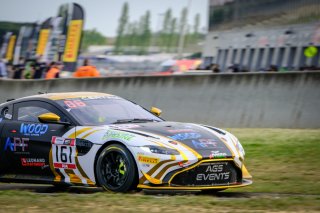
(123, 21)
(196, 28)
(92, 37)
(146, 32)
(165, 29)
(172, 36)
(182, 28)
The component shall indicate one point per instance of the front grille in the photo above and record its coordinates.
(209, 174)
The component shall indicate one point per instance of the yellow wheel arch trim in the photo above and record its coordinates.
(151, 179)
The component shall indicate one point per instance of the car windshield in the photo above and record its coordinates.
(104, 110)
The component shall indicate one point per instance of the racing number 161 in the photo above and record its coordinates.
(64, 155)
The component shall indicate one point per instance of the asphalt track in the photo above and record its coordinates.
(52, 190)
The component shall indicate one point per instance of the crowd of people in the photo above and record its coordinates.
(37, 69)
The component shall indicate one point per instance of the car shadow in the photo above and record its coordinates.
(49, 189)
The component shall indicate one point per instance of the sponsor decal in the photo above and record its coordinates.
(181, 164)
(147, 159)
(173, 142)
(17, 145)
(74, 104)
(100, 97)
(63, 153)
(125, 126)
(185, 136)
(204, 143)
(213, 176)
(63, 141)
(33, 162)
(145, 165)
(213, 172)
(8, 116)
(217, 154)
(118, 135)
(33, 129)
(180, 130)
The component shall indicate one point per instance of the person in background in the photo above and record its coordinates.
(215, 68)
(3, 69)
(39, 68)
(86, 70)
(54, 71)
(18, 69)
(273, 68)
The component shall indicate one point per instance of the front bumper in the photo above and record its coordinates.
(245, 182)
(204, 175)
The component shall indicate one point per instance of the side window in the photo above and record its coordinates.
(30, 113)
(30, 110)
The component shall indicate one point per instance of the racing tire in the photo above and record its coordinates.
(116, 169)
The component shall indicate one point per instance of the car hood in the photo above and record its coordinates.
(208, 142)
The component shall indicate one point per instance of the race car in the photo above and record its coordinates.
(97, 139)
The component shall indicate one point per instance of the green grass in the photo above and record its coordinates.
(284, 163)
(282, 160)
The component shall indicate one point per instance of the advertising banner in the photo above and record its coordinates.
(73, 38)
(12, 41)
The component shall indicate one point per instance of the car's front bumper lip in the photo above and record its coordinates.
(245, 182)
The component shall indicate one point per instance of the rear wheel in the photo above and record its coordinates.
(116, 169)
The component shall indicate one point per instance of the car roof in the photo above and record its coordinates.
(67, 95)
(59, 96)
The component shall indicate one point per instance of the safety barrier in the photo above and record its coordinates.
(275, 100)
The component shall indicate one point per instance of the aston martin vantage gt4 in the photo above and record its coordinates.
(98, 139)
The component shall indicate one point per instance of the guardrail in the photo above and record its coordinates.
(275, 100)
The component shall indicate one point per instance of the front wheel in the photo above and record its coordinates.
(115, 169)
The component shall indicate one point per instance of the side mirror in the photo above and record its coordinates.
(156, 111)
(51, 118)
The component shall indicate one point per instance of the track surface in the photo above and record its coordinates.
(48, 189)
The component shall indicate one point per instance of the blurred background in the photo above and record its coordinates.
(167, 37)
(251, 66)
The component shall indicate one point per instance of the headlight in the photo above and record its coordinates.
(160, 150)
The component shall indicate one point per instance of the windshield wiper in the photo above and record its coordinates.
(135, 120)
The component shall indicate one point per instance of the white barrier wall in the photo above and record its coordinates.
(275, 100)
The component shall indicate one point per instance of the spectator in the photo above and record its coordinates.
(3, 69)
(39, 68)
(215, 68)
(54, 71)
(18, 69)
(273, 68)
(234, 68)
(86, 70)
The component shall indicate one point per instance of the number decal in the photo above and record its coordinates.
(74, 104)
(64, 153)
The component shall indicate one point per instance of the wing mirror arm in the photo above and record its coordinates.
(52, 118)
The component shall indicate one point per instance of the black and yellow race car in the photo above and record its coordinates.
(97, 139)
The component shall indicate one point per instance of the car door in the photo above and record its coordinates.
(28, 142)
